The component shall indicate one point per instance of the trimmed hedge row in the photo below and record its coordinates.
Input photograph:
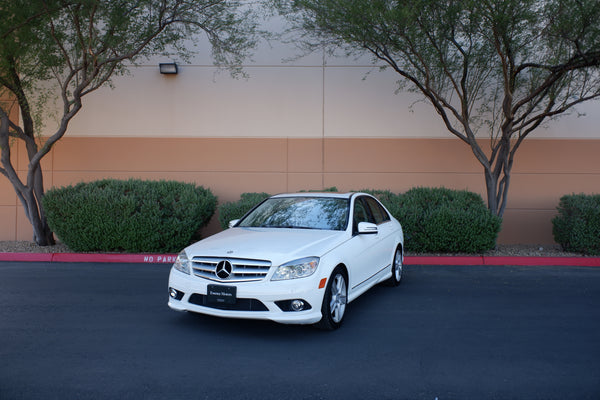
(433, 219)
(130, 216)
(577, 226)
(440, 220)
(165, 216)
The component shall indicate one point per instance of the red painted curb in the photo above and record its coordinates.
(433, 260)
(115, 258)
(90, 257)
(541, 261)
(503, 260)
(42, 257)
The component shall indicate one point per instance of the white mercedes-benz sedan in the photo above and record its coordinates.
(294, 259)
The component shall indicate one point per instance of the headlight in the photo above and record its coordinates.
(296, 269)
(182, 263)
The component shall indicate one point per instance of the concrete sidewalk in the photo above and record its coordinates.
(409, 260)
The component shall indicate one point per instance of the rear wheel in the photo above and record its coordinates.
(334, 301)
(396, 268)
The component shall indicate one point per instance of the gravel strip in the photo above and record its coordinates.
(31, 247)
(502, 250)
(515, 250)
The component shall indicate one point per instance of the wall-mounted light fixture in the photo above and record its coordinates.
(167, 68)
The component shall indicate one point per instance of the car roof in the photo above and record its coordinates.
(317, 194)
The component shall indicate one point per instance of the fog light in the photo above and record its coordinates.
(293, 305)
(297, 305)
(175, 294)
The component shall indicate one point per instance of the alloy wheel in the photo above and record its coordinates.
(338, 300)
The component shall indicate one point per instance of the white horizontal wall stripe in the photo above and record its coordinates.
(276, 101)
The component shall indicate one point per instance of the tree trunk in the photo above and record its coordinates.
(30, 194)
(491, 184)
(497, 177)
(42, 234)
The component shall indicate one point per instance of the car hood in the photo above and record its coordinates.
(279, 245)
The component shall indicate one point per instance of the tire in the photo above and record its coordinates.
(397, 268)
(335, 301)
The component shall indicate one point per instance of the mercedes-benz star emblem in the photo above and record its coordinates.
(224, 269)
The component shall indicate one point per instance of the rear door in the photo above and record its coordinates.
(369, 254)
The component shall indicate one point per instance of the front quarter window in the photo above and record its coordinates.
(360, 214)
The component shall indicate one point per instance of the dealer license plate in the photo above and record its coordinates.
(221, 294)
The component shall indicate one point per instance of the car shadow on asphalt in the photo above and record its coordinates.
(247, 327)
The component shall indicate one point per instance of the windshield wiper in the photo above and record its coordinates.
(287, 227)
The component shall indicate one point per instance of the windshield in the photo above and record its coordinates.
(300, 212)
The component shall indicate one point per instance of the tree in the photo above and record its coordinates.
(491, 69)
(66, 49)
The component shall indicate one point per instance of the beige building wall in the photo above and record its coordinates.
(312, 123)
(545, 170)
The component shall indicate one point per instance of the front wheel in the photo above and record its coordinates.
(334, 301)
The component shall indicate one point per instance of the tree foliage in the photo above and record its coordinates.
(493, 70)
(65, 49)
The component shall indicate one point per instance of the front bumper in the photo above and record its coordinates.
(255, 300)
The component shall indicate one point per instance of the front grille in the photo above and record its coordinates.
(242, 270)
(240, 304)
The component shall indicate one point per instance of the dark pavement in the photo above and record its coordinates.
(104, 331)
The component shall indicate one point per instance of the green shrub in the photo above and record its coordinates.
(577, 226)
(332, 189)
(237, 209)
(130, 216)
(445, 220)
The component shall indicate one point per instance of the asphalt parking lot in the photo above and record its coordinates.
(104, 331)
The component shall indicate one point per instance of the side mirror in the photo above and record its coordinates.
(232, 223)
(367, 228)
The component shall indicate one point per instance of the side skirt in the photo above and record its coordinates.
(380, 276)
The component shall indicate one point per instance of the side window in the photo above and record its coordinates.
(377, 211)
(360, 213)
